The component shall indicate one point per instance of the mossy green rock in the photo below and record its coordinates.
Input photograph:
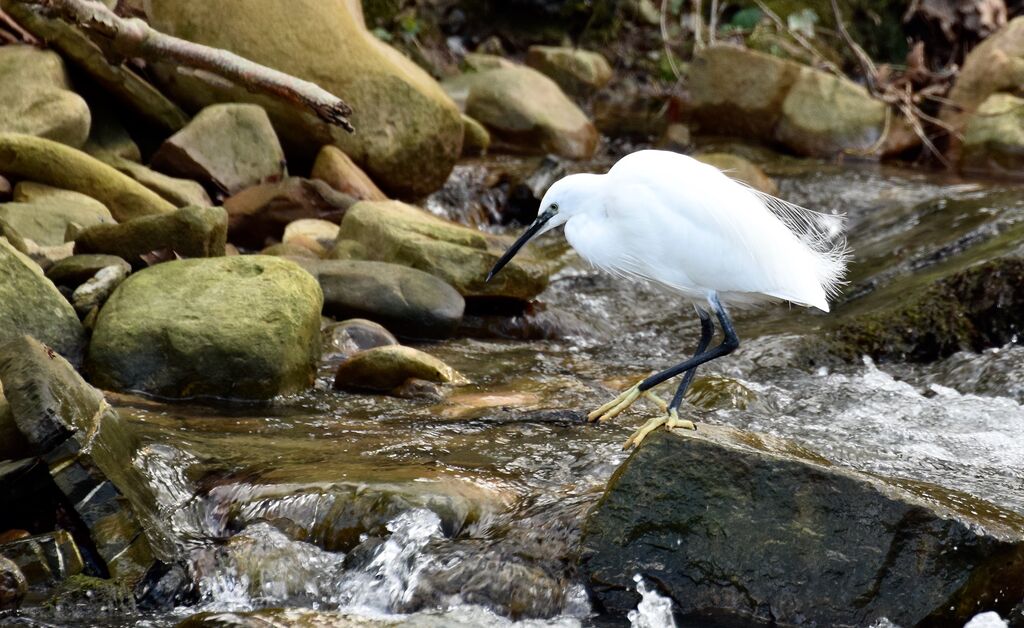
(578, 72)
(525, 111)
(180, 192)
(188, 232)
(477, 140)
(37, 97)
(745, 529)
(409, 134)
(77, 269)
(994, 139)
(233, 327)
(390, 231)
(31, 304)
(52, 163)
(386, 368)
(43, 214)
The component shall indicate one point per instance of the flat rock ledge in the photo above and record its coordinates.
(743, 529)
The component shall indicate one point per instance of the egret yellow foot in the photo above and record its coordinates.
(627, 398)
(670, 421)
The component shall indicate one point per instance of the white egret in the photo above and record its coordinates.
(668, 218)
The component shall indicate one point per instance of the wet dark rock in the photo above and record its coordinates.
(244, 327)
(260, 214)
(31, 304)
(973, 309)
(110, 597)
(45, 559)
(409, 302)
(186, 232)
(166, 587)
(77, 269)
(108, 139)
(631, 111)
(737, 527)
(383, 369)
(180, 192)
(536, 322)
(228, 147)
(402, 234)
(347, 338)
(13, 585)
(94, 292)
(336, 169)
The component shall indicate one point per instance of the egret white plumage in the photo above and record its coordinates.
(668, 218)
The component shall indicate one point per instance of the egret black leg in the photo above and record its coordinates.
(707, 330)
(729, 344)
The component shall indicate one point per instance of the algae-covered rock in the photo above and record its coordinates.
(13, 585)
(229, 147)
(409, 302)
(336, 169)
(77, 269)
(402, 234)
(385, 368)
(409, 134)
(53, 163)
(95, 291)
(244, 327)
(260, 214)
(741, 528)
(31, 304)
(525, 111)
(188, 232)
(81, 591)
(47, 222)
(180, 192)
(740, 169)
(993, 141)
(37, 97)
(578, 72)
(43, 559)
(476, 139)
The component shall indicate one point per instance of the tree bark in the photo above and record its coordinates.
(132, 37)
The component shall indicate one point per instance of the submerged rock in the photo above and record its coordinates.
(31, 304)
(187, 232)
(739, 527)
(52, 163)
(578, 72)
(409, 134)
(229, 147)
(346, 338)
(43, 559)
(384, 369)
(409, 302)
(13, 585)
(260, 214)
(245, 327)
(402, 234)
(525, 111)
(993, 141)
(336, 169)
(37, 97)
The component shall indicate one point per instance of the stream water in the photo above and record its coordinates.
(465, 512)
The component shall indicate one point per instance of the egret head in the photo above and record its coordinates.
(566, 198)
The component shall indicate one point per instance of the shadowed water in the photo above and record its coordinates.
(466, 512)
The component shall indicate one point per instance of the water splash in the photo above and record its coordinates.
(654, 610)
(990, 619)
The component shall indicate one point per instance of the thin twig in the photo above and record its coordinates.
(664, 41)
(10, 23)
(713, 25)
(866, 64)
(698, 26)
(131, 37)
(800, 39)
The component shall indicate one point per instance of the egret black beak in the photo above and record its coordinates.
(531, 231)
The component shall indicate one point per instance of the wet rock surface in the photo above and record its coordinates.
(233, 327)
(345, 338)
(13, 585)
(832, 546)
(386, 368)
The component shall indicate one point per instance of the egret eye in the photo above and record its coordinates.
(553, 207)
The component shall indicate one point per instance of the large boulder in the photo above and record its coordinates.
(993, 141)
(994, 65)
(52, 163)
(751, 94)
(228, 147)
(408, 132)
(745, 529)
(37, 97)
(578, 72)
(391, 231)
(525, 111)
(232, 327)
(31, 304)
(409, 302)
(187, 232)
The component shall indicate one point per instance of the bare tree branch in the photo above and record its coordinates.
(132, 37)
(9, 22)
(800, 39)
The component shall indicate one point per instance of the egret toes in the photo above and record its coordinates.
(670, 421)
(625, 399)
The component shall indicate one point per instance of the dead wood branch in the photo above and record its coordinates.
(798, 38)
(132, 37)
(20, 34)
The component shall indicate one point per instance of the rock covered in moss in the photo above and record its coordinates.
(180, 192)
(402, 234)
(95, 291)
(60, 166)
(336, 169)
(244, 327)
(228, 147)
(37, 97)
(188, 232)
(834, 546)
(409, 132)
(525, 111)
(578, 72)
(31, 304)
(993, 141)
(476, 140)
(384, 369)
(73, 271)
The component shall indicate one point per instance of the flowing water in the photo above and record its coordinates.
(466, 511)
